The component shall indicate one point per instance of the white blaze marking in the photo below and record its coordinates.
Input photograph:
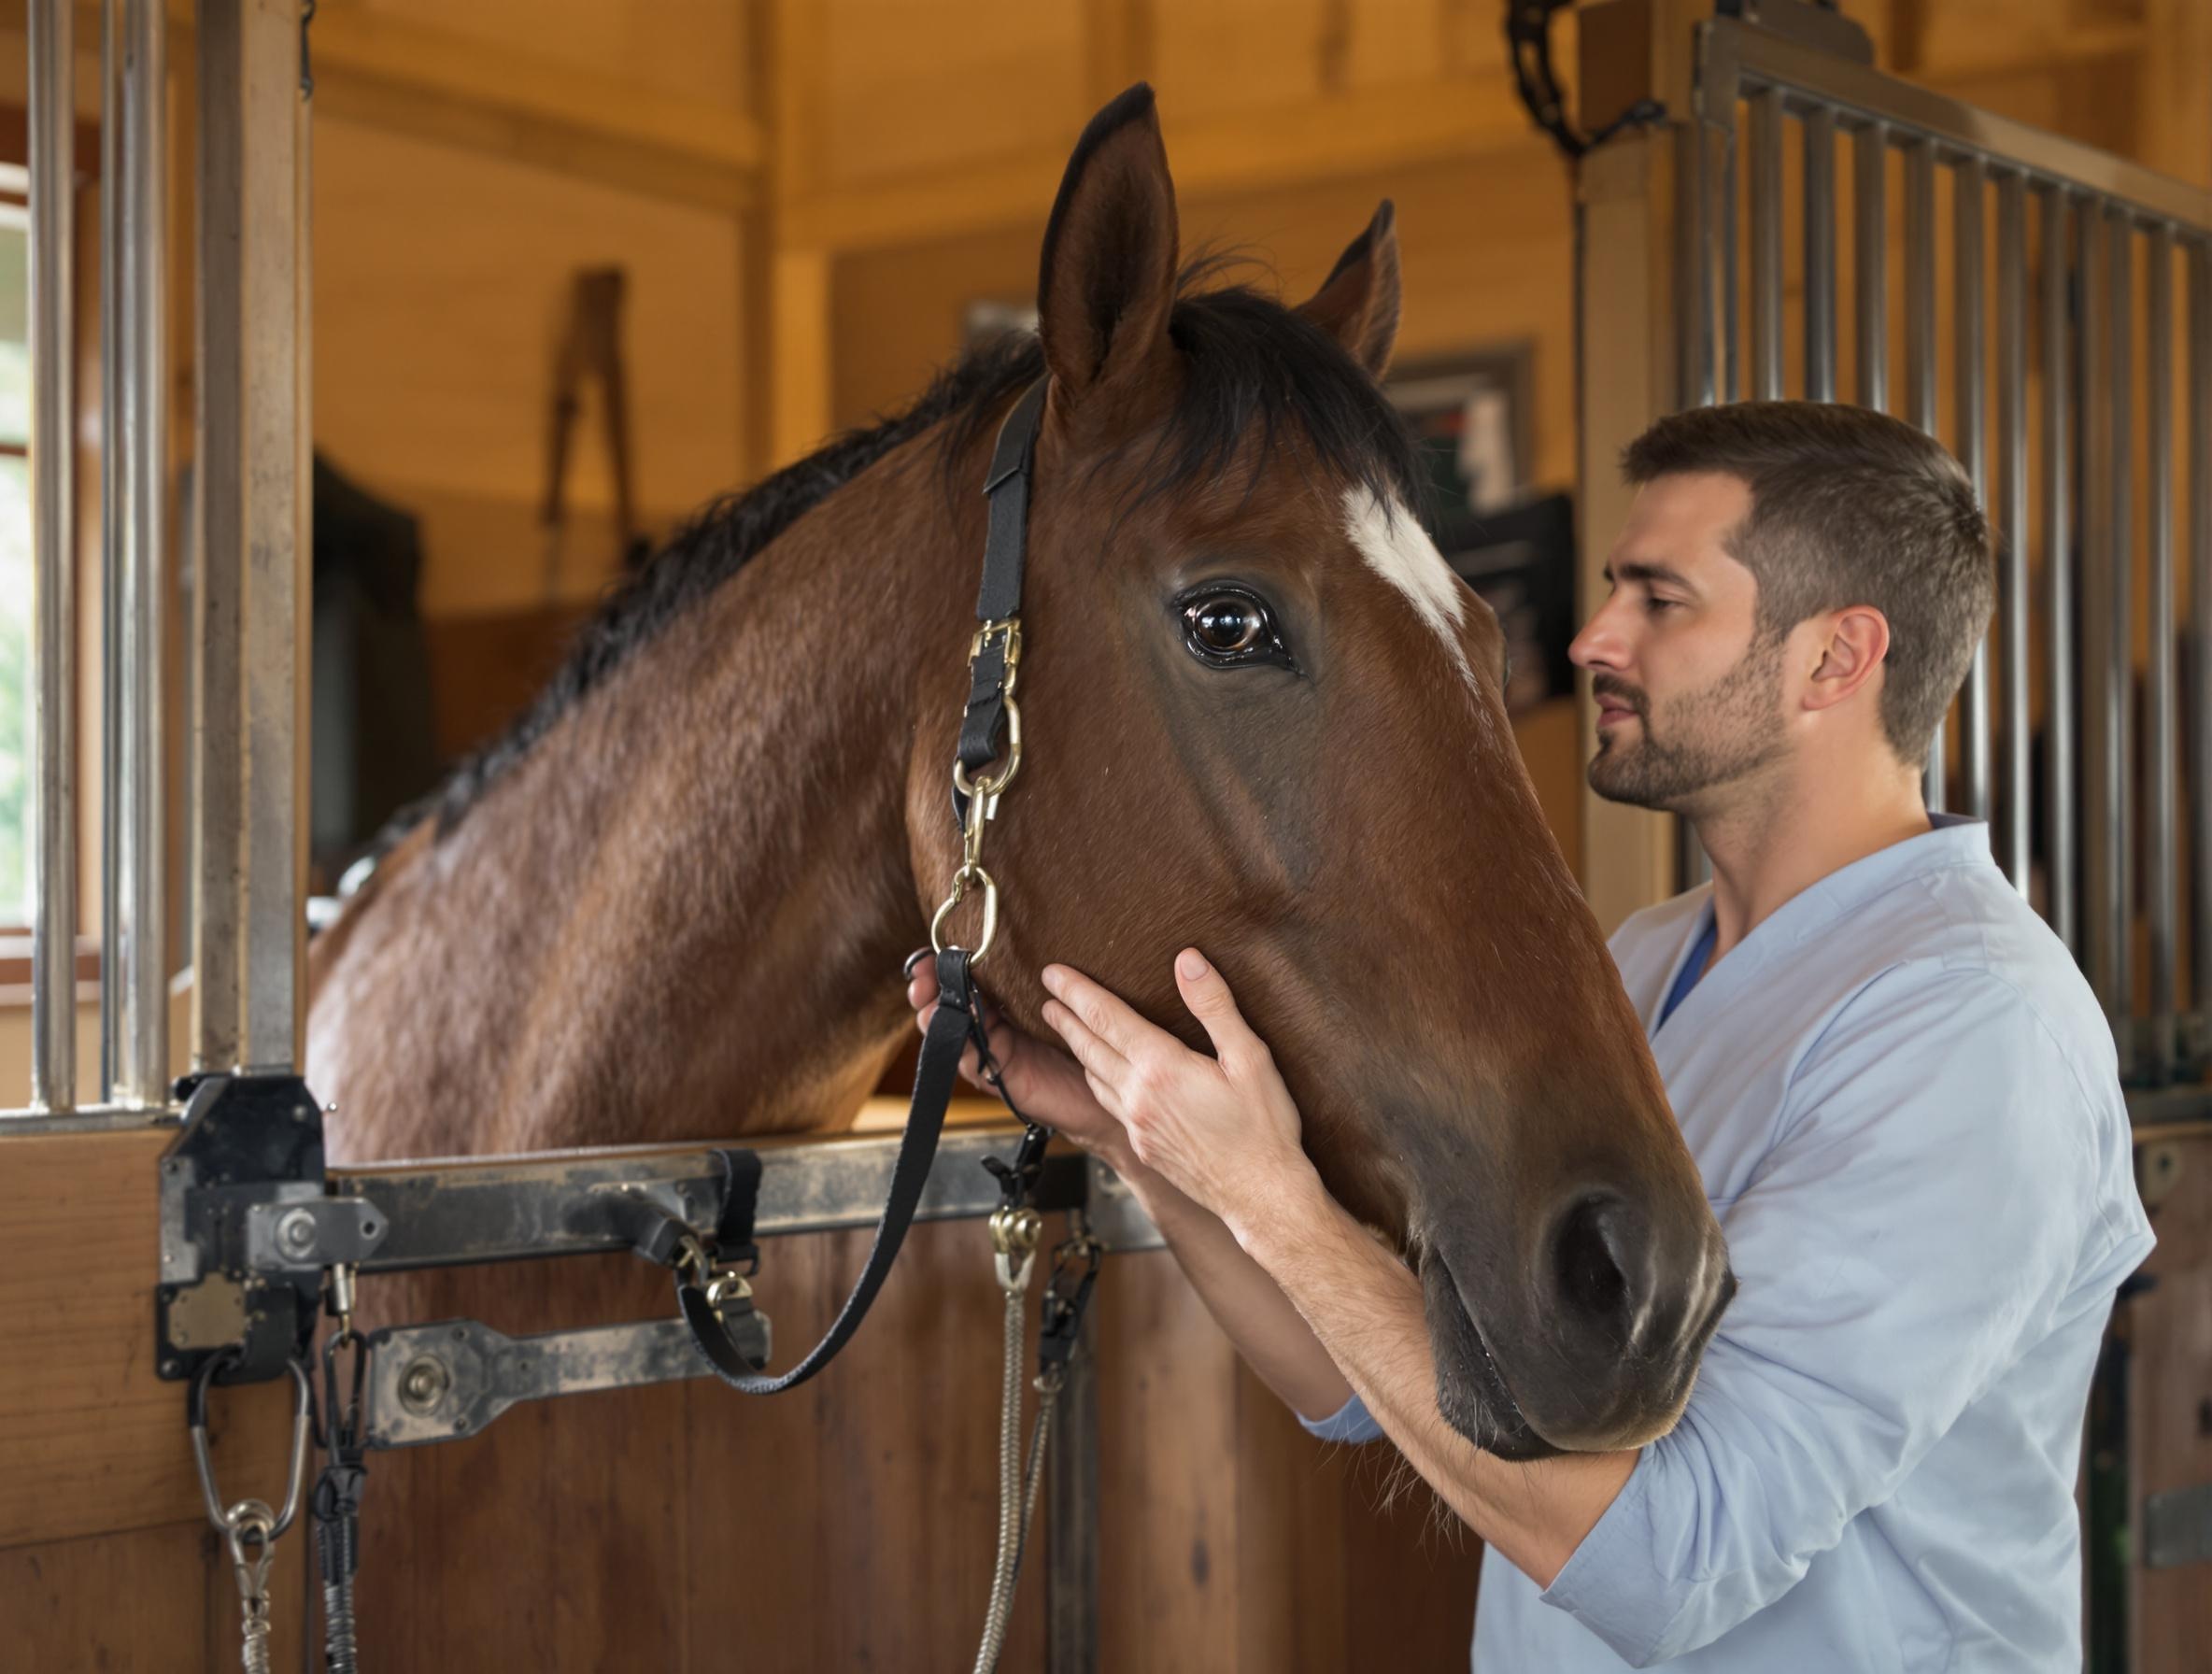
(1395, 545)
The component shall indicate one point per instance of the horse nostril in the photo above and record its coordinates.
(1586, 1257)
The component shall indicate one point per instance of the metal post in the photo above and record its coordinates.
(134, 978)
(1072, 1551)
(1969, 408)
(2060, 846)
(2199, 593)
(53, 533)
(2120, 656)
(1693, 275)
(1920, 352)
(2161, 893)
(2096, 598)
(1765, 231)
(252, 597)
(2012, 517)
(1819, 254)
(1870, 288)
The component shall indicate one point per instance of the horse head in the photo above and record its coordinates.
(1263, 716)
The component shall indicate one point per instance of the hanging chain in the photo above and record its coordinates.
(249, 1526)
(336, 1504)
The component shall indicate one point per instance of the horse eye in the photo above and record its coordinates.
(1227, 625)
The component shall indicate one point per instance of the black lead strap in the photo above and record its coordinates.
(958, 1019)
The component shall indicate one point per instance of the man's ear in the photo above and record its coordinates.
(1851, 648)
(1106, 281)
(1357, 304)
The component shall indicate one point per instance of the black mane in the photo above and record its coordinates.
(1248, 361)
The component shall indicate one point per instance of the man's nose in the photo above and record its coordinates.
(1599, 644)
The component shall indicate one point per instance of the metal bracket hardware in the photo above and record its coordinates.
(284, 1236)
(248, 1144)
(440, 1381)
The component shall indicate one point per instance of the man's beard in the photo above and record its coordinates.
(1707, 739)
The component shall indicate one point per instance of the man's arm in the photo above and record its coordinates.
(1366, 1309)
(1914, 1231)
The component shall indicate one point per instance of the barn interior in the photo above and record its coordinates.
(579, 267)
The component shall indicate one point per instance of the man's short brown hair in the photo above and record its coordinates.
(1849, 507)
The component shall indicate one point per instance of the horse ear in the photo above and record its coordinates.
(1106, 282)
(1357, 303)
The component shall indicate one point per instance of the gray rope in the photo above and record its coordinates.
(1013, 1520)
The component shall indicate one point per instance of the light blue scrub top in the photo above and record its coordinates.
(1905, 1105)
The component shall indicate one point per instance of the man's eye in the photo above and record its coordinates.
(1226, 626)
(1656, 605)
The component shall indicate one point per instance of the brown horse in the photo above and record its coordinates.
(1262, 716)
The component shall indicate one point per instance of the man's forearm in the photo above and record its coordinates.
(1365, 1311)
(1248, 1306)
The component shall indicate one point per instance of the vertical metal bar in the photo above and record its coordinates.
(1819, 254)
(1721, 167)
(1870, 259)
(254, 488)
(1765, 216)
(135, 976)
(2061, 847)
(2095, 594)
(2120, 668)
(2014, 849)
(2107, 391)
(114, 515)
(2200, 595)
(1969, 413)
(53, 117)
(1072, 1550)
(1920, 355)
(2162, 892)
(1693, 276)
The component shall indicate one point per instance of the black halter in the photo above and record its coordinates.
(993, 655)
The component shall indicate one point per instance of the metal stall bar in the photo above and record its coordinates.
(133, 975)
(1765, 219)
(1969, 408)
(2060, 835)
(2099, 754)
(1819, 253)
(2199, 593)
(2162, 895)
(2013, 832)
(53, 533)
(1920, 352)
(2112, 795)
(1870, 262)
(248, 734)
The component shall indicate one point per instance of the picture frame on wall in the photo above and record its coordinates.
(1472, 417)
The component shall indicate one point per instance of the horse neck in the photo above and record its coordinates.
(685, 907)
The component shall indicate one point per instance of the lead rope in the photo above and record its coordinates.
(336, 1503)
(1013, 1238)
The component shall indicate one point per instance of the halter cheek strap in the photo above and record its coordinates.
(711, 1302)
(996, 653)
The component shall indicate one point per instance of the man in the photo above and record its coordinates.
(1901, 1097)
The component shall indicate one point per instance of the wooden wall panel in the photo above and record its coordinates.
(1003, 77)
(696, 50)
(442, 283)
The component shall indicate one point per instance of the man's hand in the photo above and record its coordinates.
(1045, 1083)
(1222, 1129)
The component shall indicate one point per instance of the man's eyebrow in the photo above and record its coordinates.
(1637, 570)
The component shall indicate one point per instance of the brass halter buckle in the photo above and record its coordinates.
(982, 792)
